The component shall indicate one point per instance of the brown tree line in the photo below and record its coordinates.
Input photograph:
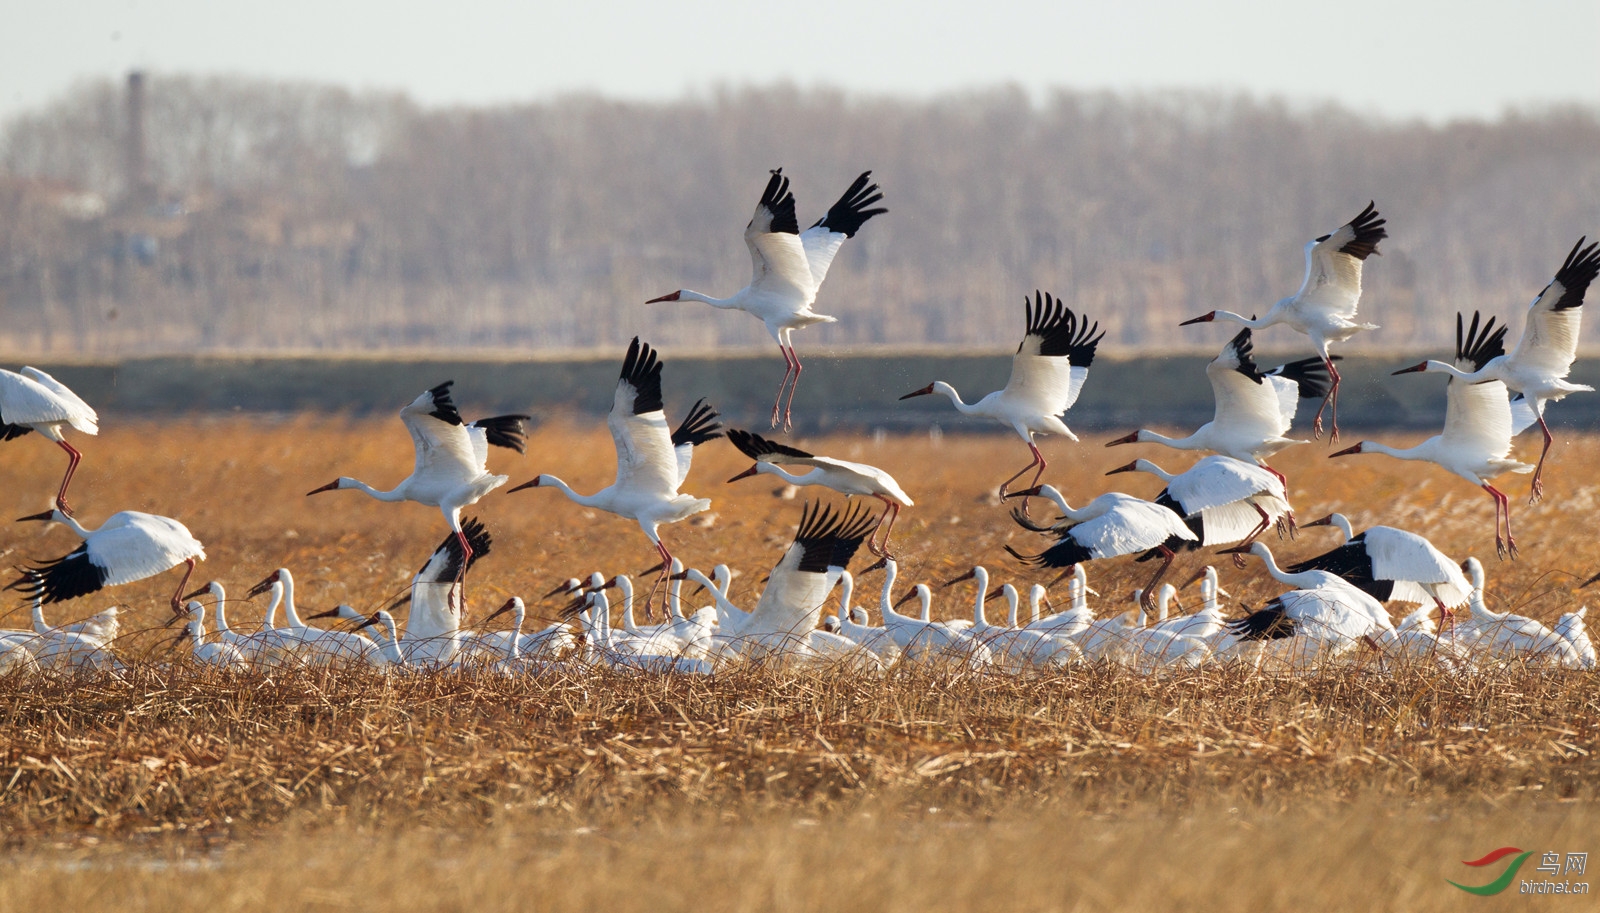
(275, 217)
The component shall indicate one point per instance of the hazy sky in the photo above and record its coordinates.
(1403, 58)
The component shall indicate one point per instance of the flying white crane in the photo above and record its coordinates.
(211, 653)
(788, 266)
(1047, 374)
(842, 476)
(35, 401)
(1391, 564)
(452, 456)
(1536, 370)
(1221, 499)
(1504, 635)
(1254, 408)
(1111, 525)
(1476, 441)
(1325, 307)
(128, 546)
(646, 486)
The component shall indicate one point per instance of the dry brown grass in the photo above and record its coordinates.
(1066, 783)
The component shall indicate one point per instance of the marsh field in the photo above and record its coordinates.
(172, 788)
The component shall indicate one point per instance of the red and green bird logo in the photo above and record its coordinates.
(1506, 877)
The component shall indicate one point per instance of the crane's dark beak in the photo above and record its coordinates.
(1325, 521)
(955, 580)
(744, 475)
(1414, 369)
(670, 296)
(1347, 452)
(44, 517)
(533, 484)
(1203, 318)
(1128, 439)
(331, 486)
(923, 392)
(1131, 467)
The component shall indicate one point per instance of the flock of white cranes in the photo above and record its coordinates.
(1334, 611)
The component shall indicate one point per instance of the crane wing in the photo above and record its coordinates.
(1549, 342)
(1219, 480)
(699, 426)
(822, 240)
(79, 414)
(646, 461)
(1401, 555)
(777, 258)
(25, 399)
(1052, 361)
(1332, 283)
(1244, 400)
(1130, 526)
(1477, 417)
(444, 446)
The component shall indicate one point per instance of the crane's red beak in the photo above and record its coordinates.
(672, 296)
(1355, 449)
(1131, 467)
(1411, 370)
(923, 392)
(1128, 439)
(331, 486)
(46, 516)
(1203, 318)
(744, 475)
(533, 484)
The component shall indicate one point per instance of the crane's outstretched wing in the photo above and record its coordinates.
(442, 442)
(777, 258)
(646, 462)
(1477, 417)
(30, 399)
(1218, 480)
(1549, 340)
(1244, 399)
(699, 426)
(1333, 265)
(822, 240)
(79, 414)
(1053, 359)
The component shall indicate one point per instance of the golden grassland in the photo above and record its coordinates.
(760, 787)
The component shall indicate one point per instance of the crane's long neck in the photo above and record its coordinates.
(1151, 468)
(1191, 442)
(1423, 451)
(1297, 580)
(598, 499)
(391, 649)
(734, 302)
(980, 576)
(886, 604)
(1487, 372)
(1010, 593)
(675, 591)
(1208, 597)
(269, 621)
(289, 613)
(774, 469)
(726, 610)
(82, 531)
(39, 626)
(1343, 523)
(220, 609)
(1252, 323)
(940, 386)
(722, 577)
(396, 493)
(626, 586)
(847, 591)
(1163, 599)
(925, 596)
(1035, 597)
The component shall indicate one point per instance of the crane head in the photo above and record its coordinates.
(755, 468)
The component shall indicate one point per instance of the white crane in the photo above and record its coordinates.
(217, 653)
(56, 649)
(1573, 628)
(1078, 615)
(1391, 564)
(35, 401)
(1221, 499)
(853, 623)
(1536, 370)
(1324, 607)
(318, 646)
(1254, 408)
(434, 635)
(1504, 635)
(1206, 623)
(1325, 307)
(646, 486)
(1417, 638)
(101, 627)
(1047, 374)
(452, 456)
(253, 646)
(1476, 441)
(1013, 648)
(548, 642)
(788, 266)
(1111, 525)
(791, 603)
(128, 546)
(842, 476)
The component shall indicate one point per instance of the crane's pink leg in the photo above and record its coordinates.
(1538, 473)
(1039, 461)
(177, 595)
(1330, 401)
(1148, 598)
(890, 513)
(788, 368)
(73, 456)
(661, 578)
(1502, 506)
(792, 387)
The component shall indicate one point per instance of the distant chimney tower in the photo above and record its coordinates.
(138, 189)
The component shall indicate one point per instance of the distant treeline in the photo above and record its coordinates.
(260, 216)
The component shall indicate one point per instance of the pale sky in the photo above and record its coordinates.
(1400, 58)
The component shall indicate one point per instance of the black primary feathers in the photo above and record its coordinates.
(642, 370)
(829, 540)
(506, 431)
(699, 426)
(1059, 331)
(477, 536)
(1478, 347)
(12, 432)
(1369, 231)
(759, 448)
(444, 408)
(1310, 375)
(1576, 273)
(1350, 562)
(64, 578)
(1269, 623)
(1065, 553)
(850, 213)
(780, 202)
